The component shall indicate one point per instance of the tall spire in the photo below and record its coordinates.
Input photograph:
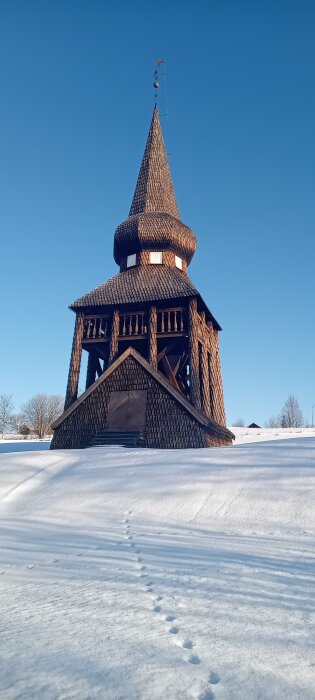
(155, 190)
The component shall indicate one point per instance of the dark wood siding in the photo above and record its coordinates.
(167, 423)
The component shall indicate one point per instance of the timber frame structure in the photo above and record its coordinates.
(151, 309)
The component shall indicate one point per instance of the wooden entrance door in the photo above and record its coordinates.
(127, 411)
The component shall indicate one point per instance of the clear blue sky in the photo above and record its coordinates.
(76, 104)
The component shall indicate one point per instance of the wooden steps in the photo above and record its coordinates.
(122, 438)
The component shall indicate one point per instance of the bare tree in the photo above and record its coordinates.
(6, 408)
(17, 420)
(239, 423)
(35, 411)
(55, 405)
(272, 422)
(291, 415)
(41, 411)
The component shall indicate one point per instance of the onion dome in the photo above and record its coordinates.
(154, 222)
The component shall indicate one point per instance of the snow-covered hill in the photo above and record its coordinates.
(246, 435)
(158, 574)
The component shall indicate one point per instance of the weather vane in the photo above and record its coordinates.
(158, 62)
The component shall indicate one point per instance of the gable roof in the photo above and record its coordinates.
(207, 423)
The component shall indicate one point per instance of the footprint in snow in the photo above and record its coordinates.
(194, 660)
(157, 609)
(158, 598)
(169, 618)
(173, 630)
(187, 644)
(139, 559)
(149, 589)
(149, 583)
(142, 567)
(214, 678)
(206, 695)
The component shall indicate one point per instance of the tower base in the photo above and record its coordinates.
(131, 396)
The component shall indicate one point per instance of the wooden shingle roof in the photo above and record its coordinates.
(139, 284)
(148, 283)
(154, 189)
(154, 221)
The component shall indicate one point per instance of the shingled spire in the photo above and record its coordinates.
(154, 222)
(155, 190)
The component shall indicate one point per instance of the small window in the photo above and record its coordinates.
(131, 260)
(178, 262)
(156, 258)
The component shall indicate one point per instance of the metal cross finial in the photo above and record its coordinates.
(156, 84)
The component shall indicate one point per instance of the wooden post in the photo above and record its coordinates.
(113, 350)
(211, 385)
(153, 337)
(75, 362)
(219, 412)
(91, 369)
(205, 388)
(193, 354)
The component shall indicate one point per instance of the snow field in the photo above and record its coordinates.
(247, 435)
(158, 574)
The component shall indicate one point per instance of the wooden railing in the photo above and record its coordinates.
(97, 327)
(171, 321)
(135, 324)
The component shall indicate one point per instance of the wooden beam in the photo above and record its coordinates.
(114, 337)
(91, 370)
(169, 373)
(75, 362)
(194, 353)
(152, 336)
(205, 387)
(166, 349)
(98, 367)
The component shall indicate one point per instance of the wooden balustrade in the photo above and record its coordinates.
(135, 323)
(171, 321)
(131, 324)
(97, 327)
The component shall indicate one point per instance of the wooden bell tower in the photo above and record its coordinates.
(151, 305)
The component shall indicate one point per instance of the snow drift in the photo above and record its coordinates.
(158, 574)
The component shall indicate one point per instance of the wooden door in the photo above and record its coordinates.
(127, 410)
